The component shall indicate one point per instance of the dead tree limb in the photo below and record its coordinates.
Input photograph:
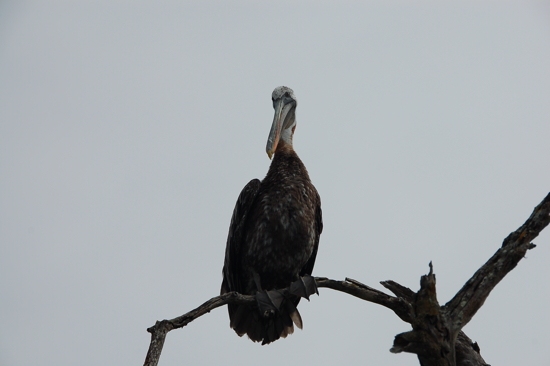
(437, 336)
(160, 329)
(400, 306)
(471, 297)
(436, 329)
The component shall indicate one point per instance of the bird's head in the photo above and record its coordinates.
(284, 122)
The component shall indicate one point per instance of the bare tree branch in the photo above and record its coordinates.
(466, 351)
(471, 297)
(430, 338)
(399, 290)
(436, 329)
(436, 336)
(160, 329)
(400, 307)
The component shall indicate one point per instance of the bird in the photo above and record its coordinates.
(274, 236)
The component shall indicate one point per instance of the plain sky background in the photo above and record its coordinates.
(129, 128)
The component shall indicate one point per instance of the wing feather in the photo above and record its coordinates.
(308, 267)
(232, 266)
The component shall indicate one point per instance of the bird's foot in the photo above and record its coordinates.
(269, 302)
(304, 287)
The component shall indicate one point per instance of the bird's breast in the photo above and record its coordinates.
(283, 235)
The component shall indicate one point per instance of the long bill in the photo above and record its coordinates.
(276, 127)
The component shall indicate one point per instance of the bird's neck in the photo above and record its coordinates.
(284, 148)
(287, 134)
(286, 163)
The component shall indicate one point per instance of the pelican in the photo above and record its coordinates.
(273, 235)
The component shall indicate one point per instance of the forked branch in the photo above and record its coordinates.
(436, 336)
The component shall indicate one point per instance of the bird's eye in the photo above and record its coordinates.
(287, 95)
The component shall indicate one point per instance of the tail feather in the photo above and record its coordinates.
(274, 314)
(247, 320)
(297, 319)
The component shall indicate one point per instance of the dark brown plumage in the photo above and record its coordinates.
(274, 232)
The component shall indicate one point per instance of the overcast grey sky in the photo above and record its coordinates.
(128, 129)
